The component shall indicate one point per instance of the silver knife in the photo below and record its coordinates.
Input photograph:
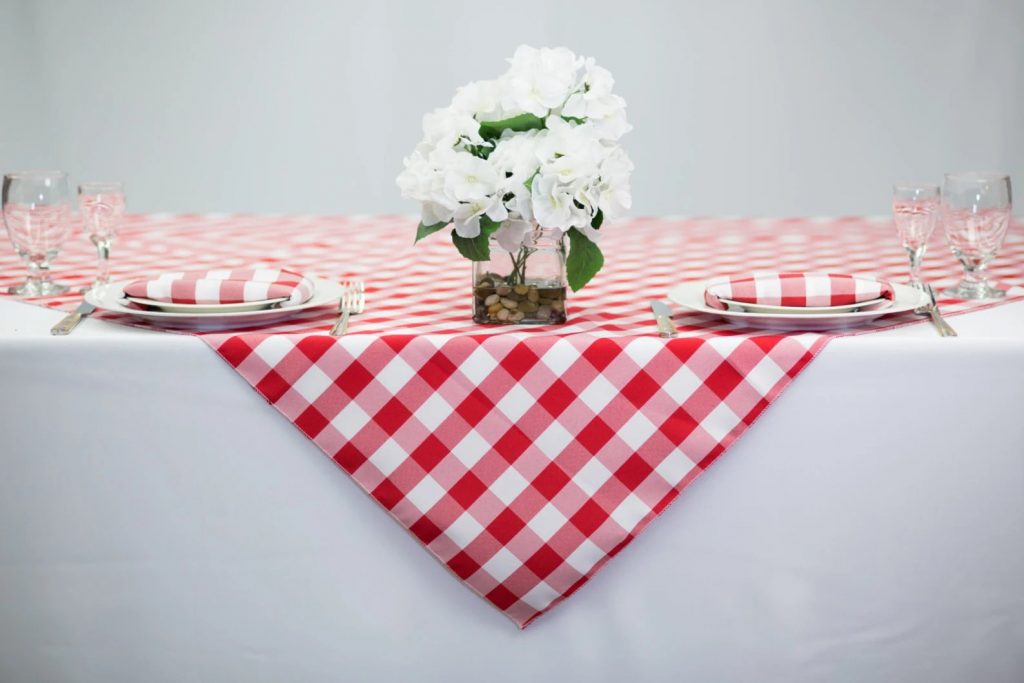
(663, 316)
(71, 320)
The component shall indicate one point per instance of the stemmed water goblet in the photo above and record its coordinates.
(975, 215)
(915, 210)
(37, 213)
(102, 207)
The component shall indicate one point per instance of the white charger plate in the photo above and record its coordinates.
(111, 298)
(739, 306)
(207, 308)
(690, 295)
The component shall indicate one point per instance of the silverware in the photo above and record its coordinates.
(71, 320)
(931, 308)
(663, 316)
(352, 302)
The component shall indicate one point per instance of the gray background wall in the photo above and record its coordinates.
(739, 107)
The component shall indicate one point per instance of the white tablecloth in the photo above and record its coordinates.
(160, 522)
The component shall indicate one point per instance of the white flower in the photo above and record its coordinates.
(571, 152)
(551, 206)
(593, 97)
(556, 205)
(447, 127)
(539, 80)
(579, 161)
(611, 127)
(415, 175)
(562, 137)
(481, 99)
(512, 234)
(468, 178)
(418, 178)
(515, 156)
(615, 195)
(423, 179)
(521, 203)
(467, 216)
(432, 214)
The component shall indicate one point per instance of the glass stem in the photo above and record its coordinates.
(103, 261)
(975, 272)
(38, 270)
(916, 255)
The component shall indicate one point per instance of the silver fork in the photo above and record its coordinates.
(352, 301)
(932, 309)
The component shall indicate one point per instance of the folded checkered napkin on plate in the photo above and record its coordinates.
(224, 287)
(799, 290)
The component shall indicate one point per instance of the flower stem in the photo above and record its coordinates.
(518, 274)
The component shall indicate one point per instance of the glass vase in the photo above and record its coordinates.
(523, 287)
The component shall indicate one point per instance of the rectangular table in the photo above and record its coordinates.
(161, 522)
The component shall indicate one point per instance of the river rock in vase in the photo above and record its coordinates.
(496, 301)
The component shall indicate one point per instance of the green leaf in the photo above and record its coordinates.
(529, 181)
(574, 119)
(424, 230)
(598, 220)
(480, 151)
(477, 248)
(492, 129)
(584, 260)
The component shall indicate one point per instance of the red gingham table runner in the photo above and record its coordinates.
(522, 458)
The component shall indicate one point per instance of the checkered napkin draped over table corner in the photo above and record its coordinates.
(522, 464)
(796, 289)
(522, 459)
(224, 286)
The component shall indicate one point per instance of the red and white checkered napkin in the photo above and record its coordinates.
(798, 290)
(224, 286)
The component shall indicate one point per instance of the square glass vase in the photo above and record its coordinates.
(522, 287)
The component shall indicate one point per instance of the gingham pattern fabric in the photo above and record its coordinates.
(224, 286)
(522, 458)
(798, 290)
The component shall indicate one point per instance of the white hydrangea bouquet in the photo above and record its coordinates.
(536, 148)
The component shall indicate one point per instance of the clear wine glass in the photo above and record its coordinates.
(102, 207)
(37, 213)
(915, 210)
(975, 215)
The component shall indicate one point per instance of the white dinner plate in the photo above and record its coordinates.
(690, 295)
(111, 298)
(739, 306)
(207, 308)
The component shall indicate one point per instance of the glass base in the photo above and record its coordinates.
(38, 288)
(973, 290)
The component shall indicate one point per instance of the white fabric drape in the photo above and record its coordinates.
(160, 522)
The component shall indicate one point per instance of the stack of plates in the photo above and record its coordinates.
(690, 295)
(209, 316)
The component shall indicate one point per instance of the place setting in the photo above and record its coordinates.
(39, 221)
(798, 301)
(222, 299)
(973, 208)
